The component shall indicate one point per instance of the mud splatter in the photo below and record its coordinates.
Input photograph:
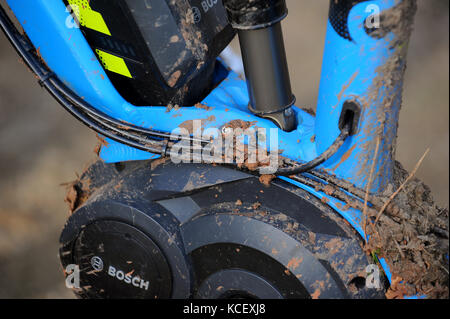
(294, 263)
(345, 157)
(189, 125)
(239, 124)
(157, 162)
(315, 294)
(203, 107)
(266, 179)
(174, 78)
(413, 236)
(386, 92)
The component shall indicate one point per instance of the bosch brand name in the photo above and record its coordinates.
(128, 279)
(208, 4)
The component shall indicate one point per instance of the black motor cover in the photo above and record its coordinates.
(169, 46)
(198, 231)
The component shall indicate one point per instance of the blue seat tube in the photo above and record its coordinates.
(363, 69)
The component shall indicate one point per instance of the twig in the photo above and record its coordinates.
(399, 249)
(446, 270)
(369, 184)
(411, 175)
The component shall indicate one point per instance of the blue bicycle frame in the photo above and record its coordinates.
(354, 66)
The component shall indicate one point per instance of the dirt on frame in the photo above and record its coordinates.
(412, 234)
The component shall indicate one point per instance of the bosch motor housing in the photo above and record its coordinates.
(198, 231)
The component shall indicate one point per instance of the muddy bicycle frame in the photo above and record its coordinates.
(362, 71)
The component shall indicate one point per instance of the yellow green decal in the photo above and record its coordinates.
(87, 17)
(113, 63)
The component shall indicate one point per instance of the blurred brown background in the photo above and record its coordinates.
(41, 146)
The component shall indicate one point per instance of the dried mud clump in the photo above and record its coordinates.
(239, 124)
(78, 192)
(412, 235)
(203, 107)
(266, 179)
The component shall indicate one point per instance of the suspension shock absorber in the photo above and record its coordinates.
(261, 38)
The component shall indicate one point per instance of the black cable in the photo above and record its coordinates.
(326, 155)
(88, 115)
